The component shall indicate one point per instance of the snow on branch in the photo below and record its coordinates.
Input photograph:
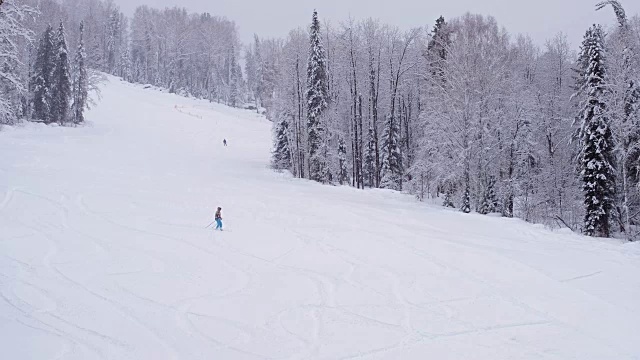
(617, 8)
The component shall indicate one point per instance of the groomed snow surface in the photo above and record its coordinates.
(104, 255)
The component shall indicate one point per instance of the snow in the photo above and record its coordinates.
(104, 255)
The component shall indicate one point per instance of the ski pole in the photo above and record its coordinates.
(209, 224)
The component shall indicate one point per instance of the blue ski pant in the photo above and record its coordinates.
(218, 224)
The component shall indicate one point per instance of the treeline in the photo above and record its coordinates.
(464, 113)
(460, 111)
(44, 41)
(48, 77)
(186, 53)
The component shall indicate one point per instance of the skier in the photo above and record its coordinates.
(218, 218)
(224, 141)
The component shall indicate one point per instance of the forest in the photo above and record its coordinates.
(464, 115)
(458, 112)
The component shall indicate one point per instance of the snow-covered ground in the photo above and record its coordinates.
(104, 255)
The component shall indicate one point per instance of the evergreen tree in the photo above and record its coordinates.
(41, 81)
(370, 160)
(281, 156)
(61, 81)
(490, 199)
(343, 175)
(250, 71)
(391, 156)
(80, 81)
(317, 95)
(235, 81)
(258, 81)
(466, 198)
(113, 40)
(440, 39)
(437, 47)
(96, 51)
(448, 196)
(126, 67)
(597, 158)
(581, 67)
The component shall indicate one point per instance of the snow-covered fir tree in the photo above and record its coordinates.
(256, 68)
(391, 156)
(596, 155)
(448, 197)
(317, 96)
(489, 202)
(96, 59)
(281, 155)
(61, 79)
(80, 81)
(125, 67)
(465, 206)
(250, 72)
(437, 47)
(370, 160)
(42, 78)
(343, 174)
(113, 41)
(235, 81)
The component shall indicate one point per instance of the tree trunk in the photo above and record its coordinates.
(360, 144)
(375, 91)
(299, 150)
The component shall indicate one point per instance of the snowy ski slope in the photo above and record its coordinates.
(104, 255)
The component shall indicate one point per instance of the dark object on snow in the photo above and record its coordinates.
(218, 218)
(224, 141)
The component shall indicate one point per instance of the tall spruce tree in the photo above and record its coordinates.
(80, 81)
(235, 81)
(113, 41)
(250, 71)
(391, 156)
(125, 65)
(317, 95)
(370, 159)
(259, 87)
(41, 81)
(490, 199)
(448, 196)
(281, 156)
(596, 157)
(343, 175)
(96, 52)
(466, 195)
(61, 81)
(437, 47)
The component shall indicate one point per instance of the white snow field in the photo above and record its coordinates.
(104, 255)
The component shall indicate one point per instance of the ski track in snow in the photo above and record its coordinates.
(104, 255)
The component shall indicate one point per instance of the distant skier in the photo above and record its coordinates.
(224, 141)
(218, 218)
